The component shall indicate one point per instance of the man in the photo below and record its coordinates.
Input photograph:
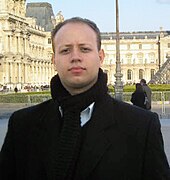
(148, 92)
(82, 133)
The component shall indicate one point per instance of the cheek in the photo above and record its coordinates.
(98, 63)
(57, 63)
(61, 67)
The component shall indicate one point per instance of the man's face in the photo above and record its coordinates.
(76, 57)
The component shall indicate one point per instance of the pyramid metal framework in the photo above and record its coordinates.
(162, 76)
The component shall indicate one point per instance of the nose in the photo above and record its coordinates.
(75, 55)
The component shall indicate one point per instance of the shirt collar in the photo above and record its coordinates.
(85, 114)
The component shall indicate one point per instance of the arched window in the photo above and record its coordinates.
(141, 73)
(129, 74)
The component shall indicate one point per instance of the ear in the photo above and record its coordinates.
(53, 61)
(52, 58)
(101, 56)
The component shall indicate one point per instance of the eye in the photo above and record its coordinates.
(65, 51)
(85, 49)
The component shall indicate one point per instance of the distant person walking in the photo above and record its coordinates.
(138, 96)
(16, 89)
(148, 92)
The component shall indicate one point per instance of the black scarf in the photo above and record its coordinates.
(70, 137)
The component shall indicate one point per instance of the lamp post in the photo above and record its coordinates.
(118, 75)
(159, 52)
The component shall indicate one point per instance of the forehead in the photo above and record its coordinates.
(73, 29)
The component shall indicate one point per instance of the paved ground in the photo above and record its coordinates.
(166, 137)
(7, 109)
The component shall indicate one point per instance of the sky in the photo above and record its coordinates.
(134, 15)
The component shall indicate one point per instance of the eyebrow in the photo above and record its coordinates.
(69, 45)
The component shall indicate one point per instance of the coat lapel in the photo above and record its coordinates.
(96, 141)
(50, 128)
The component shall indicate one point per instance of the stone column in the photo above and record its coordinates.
(19, 72)
(19, 44)
(43, 72)
(6, 75)
(50, 73)
(10, 74)
(25, 79)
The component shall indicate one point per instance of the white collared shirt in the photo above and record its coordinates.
(85, 114)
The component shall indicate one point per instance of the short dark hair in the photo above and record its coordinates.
(143, 81)
(139, 87)
(88, 22)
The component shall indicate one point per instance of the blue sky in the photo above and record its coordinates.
(135, 15)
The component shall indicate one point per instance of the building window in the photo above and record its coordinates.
(152, 73)
(129, 58)
(49, 40)
(128, 46)
(129, 74)
(152, 57)
(140, 58)
(140, 73)
(9, 44)
(168, 45)
(140, 46)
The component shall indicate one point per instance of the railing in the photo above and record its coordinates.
(24, 98)
(160, 100)
(156, 96)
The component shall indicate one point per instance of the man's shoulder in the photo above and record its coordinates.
(146, 87)
(127, 111)
(129, 119)
(35, 108)
(32, 113)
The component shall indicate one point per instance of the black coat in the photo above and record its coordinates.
(123, 142)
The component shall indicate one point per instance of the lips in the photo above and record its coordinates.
(76, 70)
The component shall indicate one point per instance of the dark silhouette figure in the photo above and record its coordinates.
(16, 89)
(148, 92)
(138, 97)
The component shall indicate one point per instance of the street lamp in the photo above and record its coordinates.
(118, 75)
(159, 52)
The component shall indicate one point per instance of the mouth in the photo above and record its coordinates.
(77, 70)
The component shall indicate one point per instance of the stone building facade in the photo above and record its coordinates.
(25, 49)
(142, 54)
(25, 56)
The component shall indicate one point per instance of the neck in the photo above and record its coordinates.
(89, 94)
(78, 90)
